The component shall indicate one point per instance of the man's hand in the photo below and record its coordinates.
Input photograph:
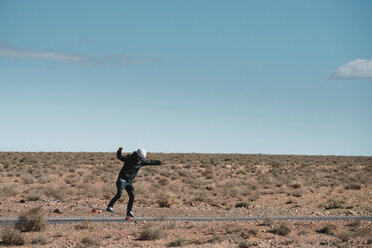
(120, 148)
(165, 162)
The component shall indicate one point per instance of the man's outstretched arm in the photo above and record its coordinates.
(119, 156)
(153, 162)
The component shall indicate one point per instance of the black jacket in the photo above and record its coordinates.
(131, 165)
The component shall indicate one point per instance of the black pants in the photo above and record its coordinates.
(128, 186)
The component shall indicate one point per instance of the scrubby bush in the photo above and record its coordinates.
(177, 242)
(244, 244)
(208, 173)
(241, 205)
(326, 230)
(297, 193)
(89, 242)
(151, 233)
(8, 190)
(57, 192)
(369, 240)
(41, 239)
(267, 222)
(216, 239)
(32, 220)
(282, 230)
(334, 203)
(344, 236)
(27, 179)
(296, 185)
(166, 200)
(163, 181)
(108, 191)
(34, 195)
(253, 231)
(83, 225)
(253, 197)
(355, 223)
(232, 229)
(10, 236)
(72, 180)
(353, 186)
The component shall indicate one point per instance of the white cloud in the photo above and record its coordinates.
(66, 57)
(356, 69)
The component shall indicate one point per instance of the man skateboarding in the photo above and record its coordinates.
(132, 163)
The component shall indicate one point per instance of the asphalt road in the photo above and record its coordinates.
(77, 219)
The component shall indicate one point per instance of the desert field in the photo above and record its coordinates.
(73, 184)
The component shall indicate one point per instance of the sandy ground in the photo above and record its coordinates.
(201, 185)
(203, 234)
(197, 234)
(356, 203)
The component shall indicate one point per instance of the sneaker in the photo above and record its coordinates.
(130, 214)
(110, 209)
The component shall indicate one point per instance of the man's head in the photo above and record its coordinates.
(141, 153)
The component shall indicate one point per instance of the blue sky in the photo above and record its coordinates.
(275, 77)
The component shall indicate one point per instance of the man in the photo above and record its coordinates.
(132, 163)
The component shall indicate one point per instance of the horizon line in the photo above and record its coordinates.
(208, 153)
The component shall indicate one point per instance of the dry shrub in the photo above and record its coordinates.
(296, 185)
(10, 236)
(253, 231)
(344, 236)
(244, 244)
(177, 242)
(41, 239)
(8, 190)
(151, 233)
(34, 195)
(32, 220)
(369, 240)
(208, 173)
(72, 180)
(57, 192)
(253, 197)
(107, 177)
(166, 200)
(267, 222)
(44, 178)
(108, 236)
(210, 187)
(80, 172)
(297, 193)
(83, 226)
(282, 230)
(326, 230)
(334, 203)
(355, 223)
(89, 242)
(216, 239)
(353, 186)
(231, 189)
(241, 205)
(108, 191)
(163, 181)
(291, 200)
(92, 191)
(232, 228)
(58, 234)
(27, 179)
